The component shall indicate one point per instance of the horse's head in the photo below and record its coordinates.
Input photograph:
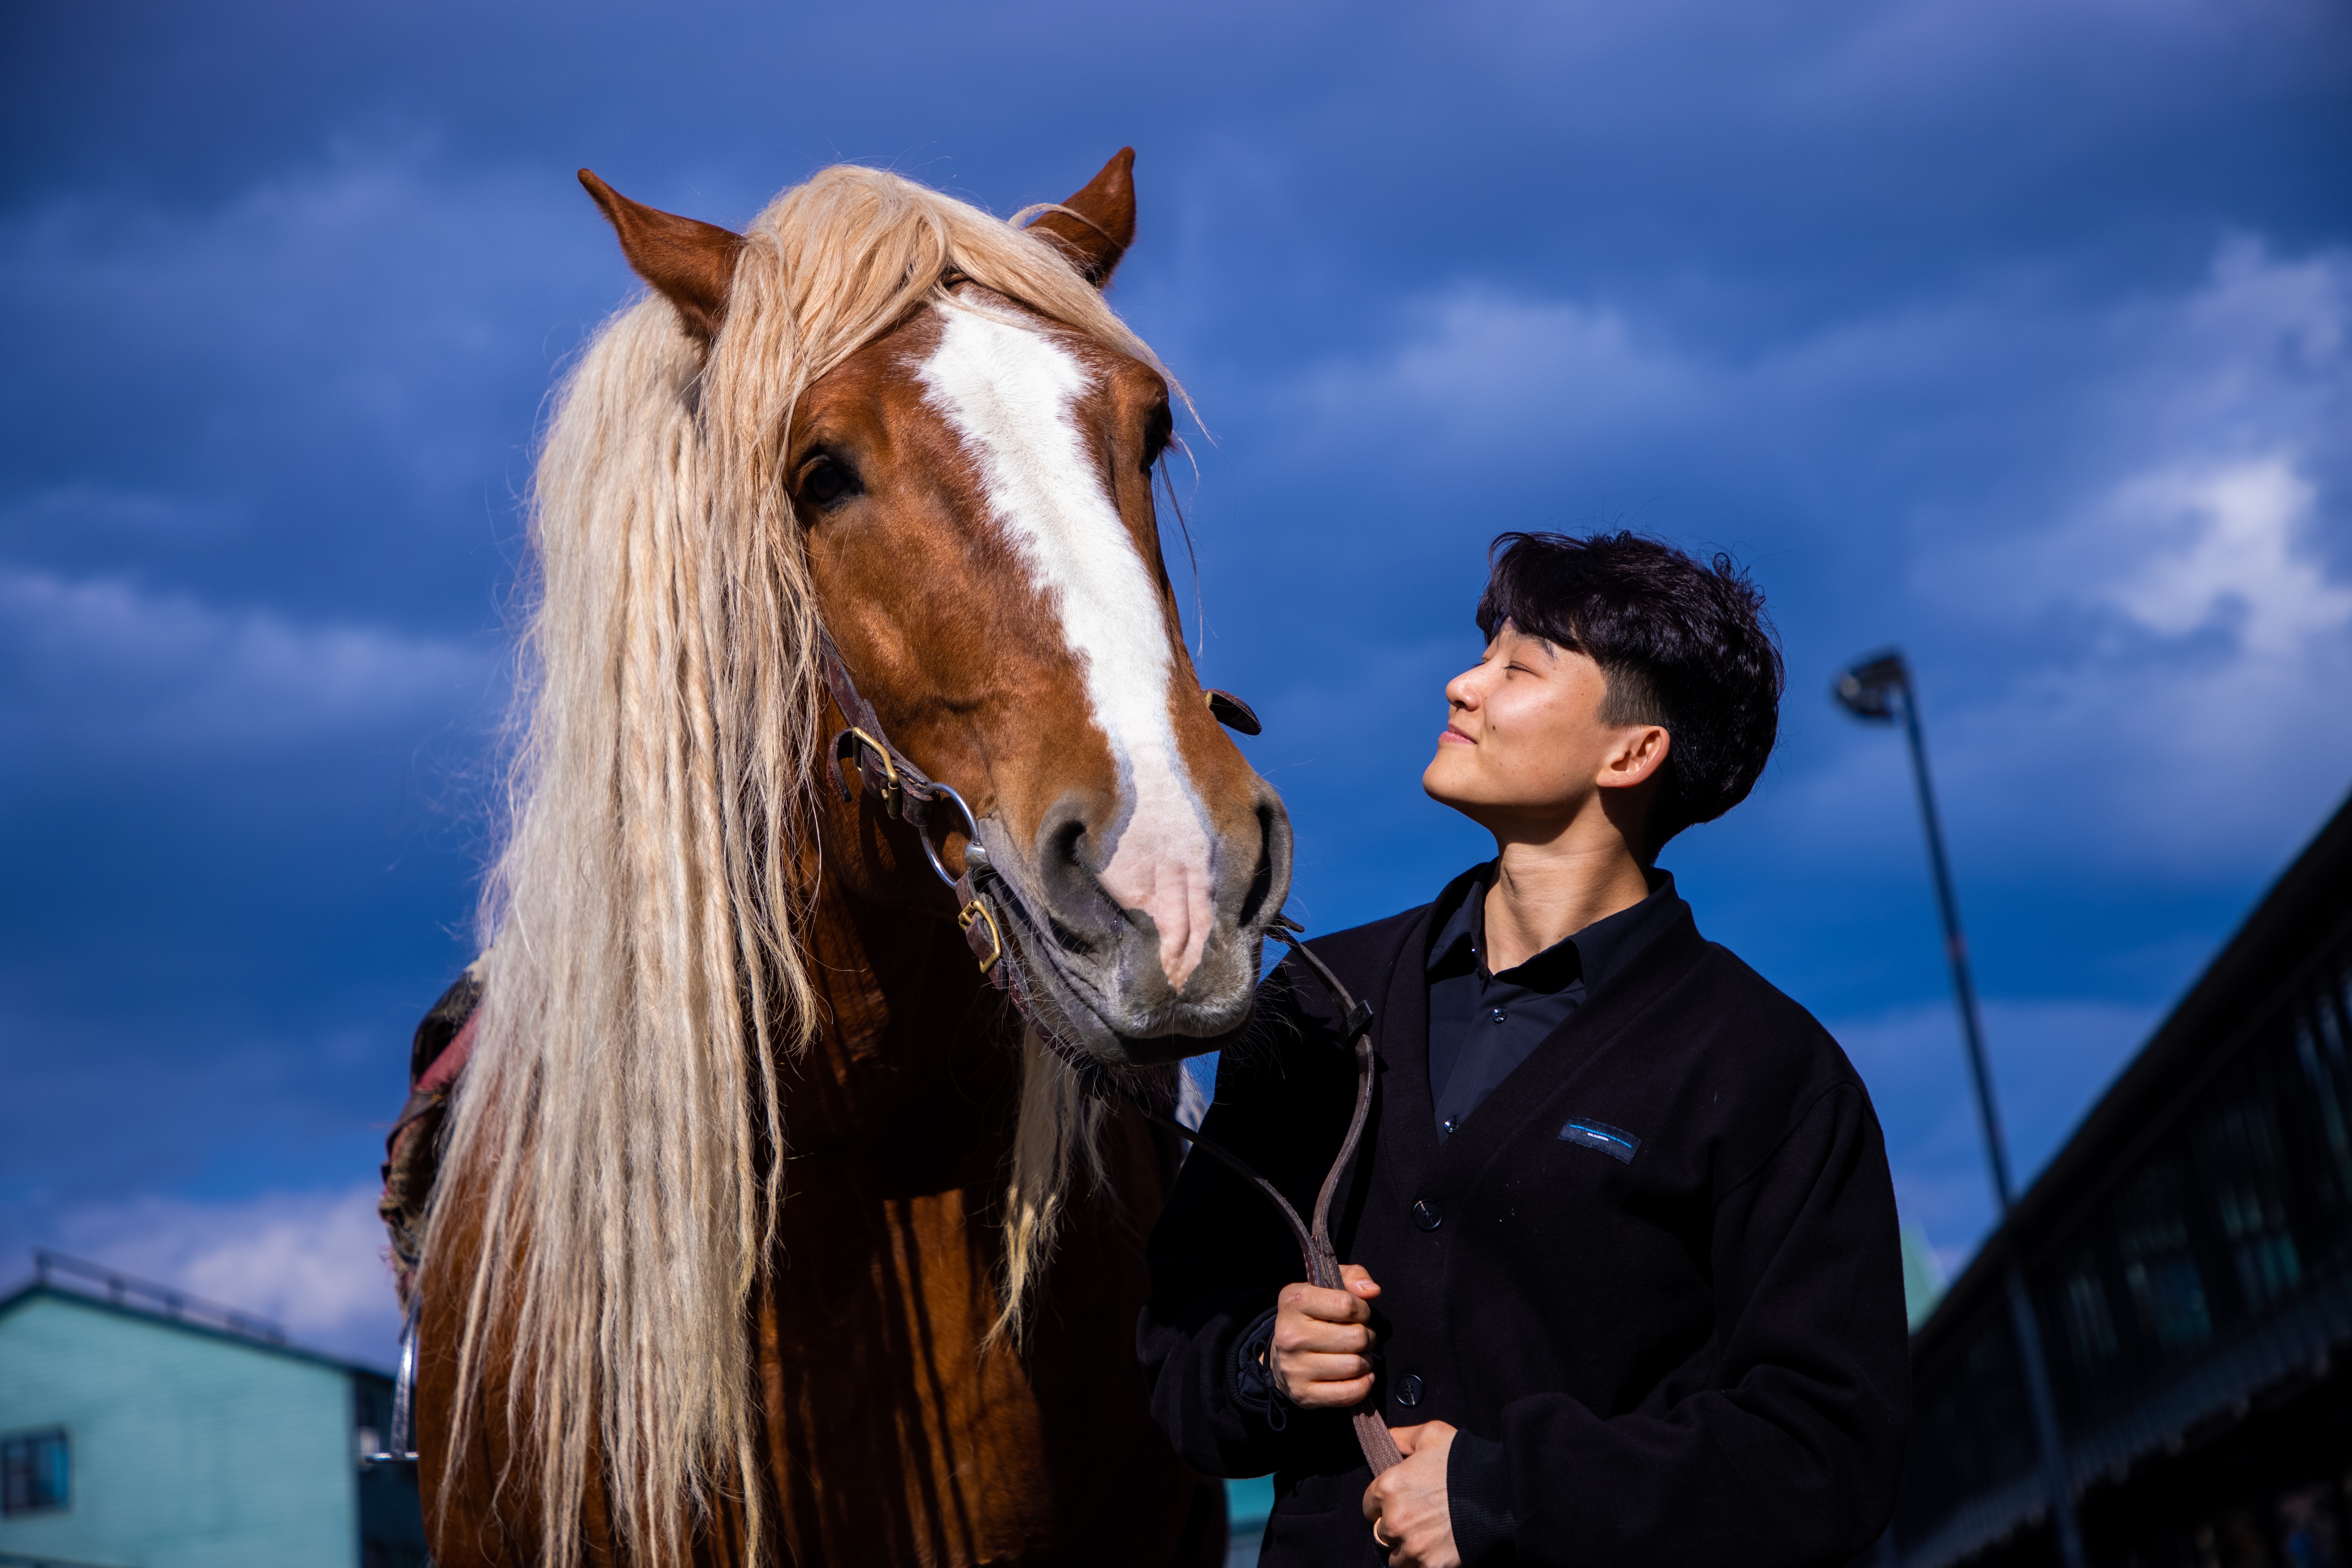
(974, 490)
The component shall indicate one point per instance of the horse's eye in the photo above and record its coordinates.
(1155, 436)
(824, 481)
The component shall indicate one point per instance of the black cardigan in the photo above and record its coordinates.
(1689, 1351)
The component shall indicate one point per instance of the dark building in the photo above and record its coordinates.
(2190, 1255)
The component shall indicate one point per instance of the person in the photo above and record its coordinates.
(1624, 1280)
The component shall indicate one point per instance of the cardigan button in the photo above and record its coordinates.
(1427, 1213)
(1408, 1390)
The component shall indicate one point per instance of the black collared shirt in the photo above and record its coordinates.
(1481, 1025)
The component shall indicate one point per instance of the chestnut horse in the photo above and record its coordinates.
(765, 1230)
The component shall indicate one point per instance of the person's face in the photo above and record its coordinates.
(1525, 747)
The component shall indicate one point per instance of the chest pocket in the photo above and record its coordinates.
(1615, 1142)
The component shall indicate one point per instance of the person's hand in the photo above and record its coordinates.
(1406, 1504)
(1321, 1355)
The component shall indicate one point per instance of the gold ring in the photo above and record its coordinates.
(1383, 1541)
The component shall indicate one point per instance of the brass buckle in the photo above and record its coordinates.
(894, 798)
(977, 913)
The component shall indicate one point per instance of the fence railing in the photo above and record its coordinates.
(97, 1279)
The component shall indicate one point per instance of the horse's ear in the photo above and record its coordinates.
(1103, 225)
(689, 263)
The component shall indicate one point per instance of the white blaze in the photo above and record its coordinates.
(1008, 391)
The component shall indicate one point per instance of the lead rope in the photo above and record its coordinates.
(1314, 1241)
(912, 796)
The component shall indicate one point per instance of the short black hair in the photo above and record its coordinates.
(1684, 646)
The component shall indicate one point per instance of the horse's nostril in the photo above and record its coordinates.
(1073, 895)
(1261, 883)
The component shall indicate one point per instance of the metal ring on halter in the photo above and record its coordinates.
(970, 830)
(402, 1448)
(975, 912)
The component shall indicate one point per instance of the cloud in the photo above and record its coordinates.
(106, 667)
(2116, 538)
(318, 391)
(2236, 560)
(2190, 611)
(310, 1261)
(1483, 368)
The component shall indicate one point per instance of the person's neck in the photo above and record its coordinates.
(1551, 888)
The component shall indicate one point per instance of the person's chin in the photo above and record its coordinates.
(1443, 782)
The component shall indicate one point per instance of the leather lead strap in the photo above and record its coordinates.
(1315, 1250)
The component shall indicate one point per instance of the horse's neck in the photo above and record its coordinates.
(892, 1435)
(914, 1074)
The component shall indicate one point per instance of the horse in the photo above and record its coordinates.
(766, 1228)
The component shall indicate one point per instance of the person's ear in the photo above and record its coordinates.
(1636, 758)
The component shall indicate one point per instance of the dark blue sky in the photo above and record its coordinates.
(2018, 333)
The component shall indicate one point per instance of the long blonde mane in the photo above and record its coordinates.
(646, 976)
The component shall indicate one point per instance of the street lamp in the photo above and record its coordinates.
(1874, 691)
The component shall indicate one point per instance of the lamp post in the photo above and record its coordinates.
(1873, 691)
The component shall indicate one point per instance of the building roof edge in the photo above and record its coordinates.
(2313, 893)
(37, 1289)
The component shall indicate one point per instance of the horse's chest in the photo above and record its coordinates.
(893, 1436)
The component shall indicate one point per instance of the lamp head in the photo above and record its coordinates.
(1867, 690)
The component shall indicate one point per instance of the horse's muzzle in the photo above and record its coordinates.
(1105, 967)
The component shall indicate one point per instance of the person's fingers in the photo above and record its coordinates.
(1341, 1396)
(1311, 1367)
(1357, 1279)
(1331, 1306)
(1410, 1440)
(1309, 1335)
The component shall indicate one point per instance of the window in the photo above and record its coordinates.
(35, 1471)
(2159, 1269)
(2090, 1326)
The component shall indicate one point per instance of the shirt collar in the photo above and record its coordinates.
(1460, 921)
(1590, 955)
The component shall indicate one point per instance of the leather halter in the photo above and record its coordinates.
(913, 797)
(986, 904)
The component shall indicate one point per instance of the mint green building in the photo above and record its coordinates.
(176, 1436)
